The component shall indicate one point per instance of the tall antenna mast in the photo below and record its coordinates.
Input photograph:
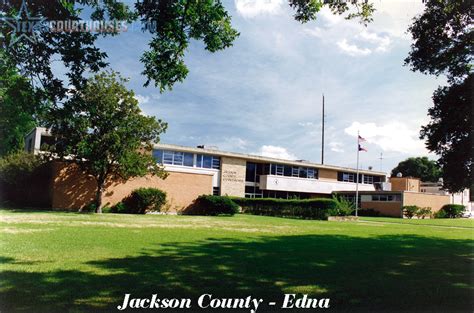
(381, 158)
(322, 136)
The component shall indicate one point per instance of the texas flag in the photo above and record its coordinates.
(361, 139)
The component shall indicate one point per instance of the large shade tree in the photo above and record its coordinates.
(171, 24)
(443, 45)
(20, 108)
(421, 167)
(103, 130)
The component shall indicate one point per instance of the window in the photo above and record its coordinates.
(167, 157)
(295, 172)
(303, 172)
(208, 161)
(158, 155)
(311, 173)
(216, 191)
(188, 159)
(348, 177)
(253, 192)
(386, 198)
(277, 169)
(368, 179)
(250, 172)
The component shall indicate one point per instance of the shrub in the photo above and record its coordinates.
(344, 207)
(212, 205)
(410, 211)
(24, 179)
(451, 211)
(308, 209)
(141, 201)
(423, 212)
(120, 207)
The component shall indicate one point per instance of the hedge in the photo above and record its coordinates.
(318, 209)
(212, 206)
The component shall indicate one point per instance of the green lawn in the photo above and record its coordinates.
(67, 262)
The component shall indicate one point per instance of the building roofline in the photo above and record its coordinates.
(258, 158)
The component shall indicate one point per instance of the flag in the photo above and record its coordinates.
(361, 139)
(362, 148)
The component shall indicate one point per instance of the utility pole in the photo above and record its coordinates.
(322, 136)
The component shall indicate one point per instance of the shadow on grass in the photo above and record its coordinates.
(385, 273)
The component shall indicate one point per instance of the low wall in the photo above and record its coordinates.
(391, 209)
(433, 201)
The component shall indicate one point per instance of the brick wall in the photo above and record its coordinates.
(72, 189)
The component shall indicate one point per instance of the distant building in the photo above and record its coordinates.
(409, 191)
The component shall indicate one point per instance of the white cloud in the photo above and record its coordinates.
(381, 42)
(393, 136)
(252, 8)
(315, 31)
(336, 146)
(276, 152)
(236, 142)
(352, 50)
(142, 99)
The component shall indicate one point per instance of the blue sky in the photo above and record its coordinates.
(263, 95)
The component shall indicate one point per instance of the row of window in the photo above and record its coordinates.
(186, 159)
(363, 178)
(254, 170)
(385, 198)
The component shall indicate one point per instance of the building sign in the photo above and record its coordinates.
(232, 176)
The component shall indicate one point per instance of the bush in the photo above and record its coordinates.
(120, 207)
(451, 211)
(24, 179)
(440, 214)
(423, 212)
(344, 207)
(318, 209)
(212, 205)
(410, 211)
(141, 201)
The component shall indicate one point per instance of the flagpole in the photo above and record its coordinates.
(357, 175)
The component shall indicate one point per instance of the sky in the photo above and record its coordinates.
(263, 95)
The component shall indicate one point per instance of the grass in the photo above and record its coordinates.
(68, 262)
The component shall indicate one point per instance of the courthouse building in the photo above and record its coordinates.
(194, 171)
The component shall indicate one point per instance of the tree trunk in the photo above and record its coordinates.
(98, 197)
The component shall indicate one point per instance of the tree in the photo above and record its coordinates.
(19, 107)
(420, 167)
(449, 133)
(103, 130)
(442, 45)
(172, 24)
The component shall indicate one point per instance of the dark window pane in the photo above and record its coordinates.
(250, 172)
(158, 155)
(303, 173)
(188, 159)
(207, 161)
